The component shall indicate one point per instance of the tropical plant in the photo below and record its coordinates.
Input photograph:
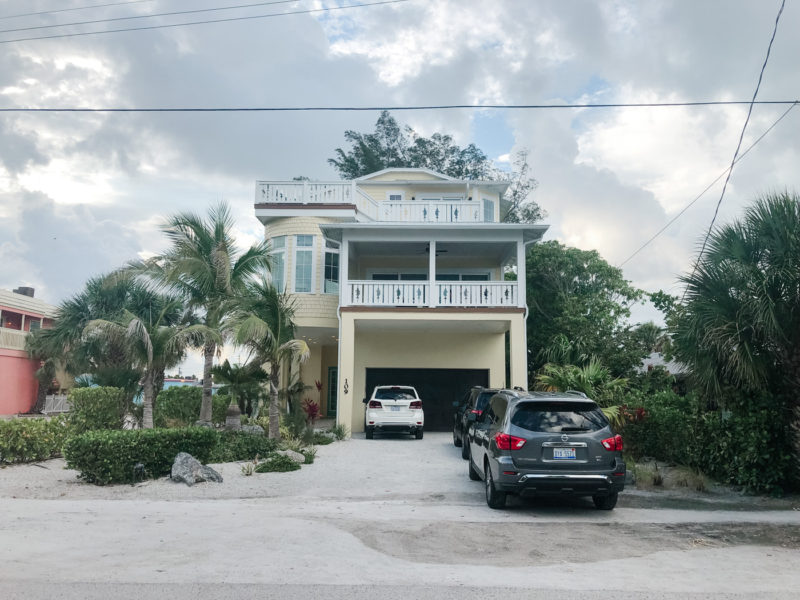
(154, 343)
(242, 383)
(264, 324)
(594, 380)
(739, 325)
(64, 345)
(205, 268)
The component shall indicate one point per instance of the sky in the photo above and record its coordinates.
(82, 193)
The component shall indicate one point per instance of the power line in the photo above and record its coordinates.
(710, 185)
(59, 10)
(226, 20)
(739, 145)
(150, 16)
(395, 108)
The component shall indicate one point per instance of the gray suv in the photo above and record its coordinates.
(545, 443)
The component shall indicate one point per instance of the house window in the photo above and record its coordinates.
(395, 196)
(35, 324)
(488, 211)
(303, 264)
(331, 285)
(475, 277)
(279, 262)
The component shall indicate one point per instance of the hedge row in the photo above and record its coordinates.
(107, 456)
(179, 406)
(25, 440)
(749, 447)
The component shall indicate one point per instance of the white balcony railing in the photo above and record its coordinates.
(447, 293)
(12, 339)
(452, 211)
(322, 193)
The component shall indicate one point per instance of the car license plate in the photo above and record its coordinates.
(564, 453)
(396, 408)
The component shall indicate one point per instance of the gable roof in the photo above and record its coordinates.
(440, 176)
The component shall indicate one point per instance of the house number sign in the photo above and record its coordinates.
(346, 387)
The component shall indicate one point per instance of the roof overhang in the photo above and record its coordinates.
(426, 232)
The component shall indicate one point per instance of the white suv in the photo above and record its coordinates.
(394, 408)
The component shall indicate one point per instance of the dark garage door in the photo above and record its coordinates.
(438, 388)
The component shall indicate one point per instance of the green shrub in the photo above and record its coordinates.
(236, 445)
(340, 431)
(310, 454)
(179, 406)
(95, 408)
(25, 440)
(749, 446)
(277, 464)
(322, 439)
(103, 457)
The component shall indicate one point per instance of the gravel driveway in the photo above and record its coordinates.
(396, 514)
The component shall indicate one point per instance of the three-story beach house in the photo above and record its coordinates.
(400, 277)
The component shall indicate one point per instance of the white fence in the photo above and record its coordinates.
(431, 212)
(417, 293)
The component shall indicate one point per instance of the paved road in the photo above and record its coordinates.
(389, 518)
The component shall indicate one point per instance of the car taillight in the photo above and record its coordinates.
(416, 404)
(475, 411)
(508, 442)
(375, 404)
(613, 443)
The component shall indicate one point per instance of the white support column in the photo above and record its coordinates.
(22, 323)
(433, 299)
(344, 272)
(522, 300)
(347, 406)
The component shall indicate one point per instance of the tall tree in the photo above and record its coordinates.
(154, 343)
(204, 266)
(578, 309)
(106, 361)
(393, 145)
(265, 325)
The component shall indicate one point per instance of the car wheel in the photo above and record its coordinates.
(473, 473)
(494, 498)
(605, 502)
(456, 440)
(369, 432)
(418, 434)
(465, 450)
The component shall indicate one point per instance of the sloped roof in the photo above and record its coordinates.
(12, 301)
(441, 176)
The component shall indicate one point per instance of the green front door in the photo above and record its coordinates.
(333, 385)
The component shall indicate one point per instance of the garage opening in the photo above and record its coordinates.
(438, 388)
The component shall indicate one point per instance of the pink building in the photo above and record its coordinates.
(20, 313)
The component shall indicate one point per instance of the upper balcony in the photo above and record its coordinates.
(384, 197)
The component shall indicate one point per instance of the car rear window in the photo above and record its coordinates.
(483, 400)
(395, 394)
(557, 417)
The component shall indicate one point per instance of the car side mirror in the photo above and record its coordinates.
(365, 400)
(472, 417)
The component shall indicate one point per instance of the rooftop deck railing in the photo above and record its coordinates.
(445, 293)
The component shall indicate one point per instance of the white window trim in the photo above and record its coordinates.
(285, 252)
(313, 249)
(494, 210)
(325, 251)
(390, 193)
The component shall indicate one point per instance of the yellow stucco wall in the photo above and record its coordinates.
(423, 349)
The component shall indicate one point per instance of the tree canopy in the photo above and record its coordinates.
(393, 145)
(578, 306)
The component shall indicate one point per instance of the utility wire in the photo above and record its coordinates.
(738, 146)
(150, 16)
(226, 20)
(393, 108)
(710, 185)
(59, 10)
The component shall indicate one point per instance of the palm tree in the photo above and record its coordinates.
(740, 323)
(153, 344)
(205, 268)
(64, 345)
(242, 382)
(265, 326)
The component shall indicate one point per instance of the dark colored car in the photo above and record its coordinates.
(545, 443)
(474, 402)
